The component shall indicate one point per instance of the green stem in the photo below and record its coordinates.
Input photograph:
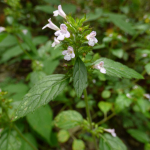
(87, 108)
(22, 136)
(106, 119)
(89, 116)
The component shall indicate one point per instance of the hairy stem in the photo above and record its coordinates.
(89, 116)
(22, 136)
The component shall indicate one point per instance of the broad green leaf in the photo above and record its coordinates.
(63, 136)
(143, 104)
(41, 93)
(69, 8)
(68, 119)
(108, 142)
(45, 8)
(147, 67)
(139, 135)
(119, 21)
(10, 40)
(17, 91)
(56, 2)
(40, 40)
(79, 76)
(78, 145)
(104, 106)
(13, 52)
(25, 145)
(41, 121)
(2, 36)
(10, 140)
(117, 69)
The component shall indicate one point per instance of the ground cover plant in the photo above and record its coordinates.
(74, 75)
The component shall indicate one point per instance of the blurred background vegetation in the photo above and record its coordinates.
(26, 56)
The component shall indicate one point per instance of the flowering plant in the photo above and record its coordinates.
(76, 42)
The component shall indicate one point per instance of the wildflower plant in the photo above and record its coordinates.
(76, 41)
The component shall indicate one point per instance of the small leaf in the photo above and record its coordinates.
(78, 145)
(41, 93)
(68, 119)
(108, 142)
(79, 77)
(122, 101)
(117, 52)
(41, 121)
(139, 135)
(63, 136)
(106, 94)
(10, 140)
(104, 106)
(117, 69)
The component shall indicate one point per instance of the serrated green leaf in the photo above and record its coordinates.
(41, 93)
(9, 140)
(117, 69)
(139, 135)
(108, 142)
(41, 121)
(79, 76)
(68, 119)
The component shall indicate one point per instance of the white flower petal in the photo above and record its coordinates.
(61, 12)
(95, 40)
(103, 70)
(70, 48)
(91, 43)
(64, 52)
(57, 33)
(67, 35)
(45, 26)
(56, 13)
(53, 44)
(67, 57)
(88, 37)
(61, 37)
(73, 55)
(2, 29)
